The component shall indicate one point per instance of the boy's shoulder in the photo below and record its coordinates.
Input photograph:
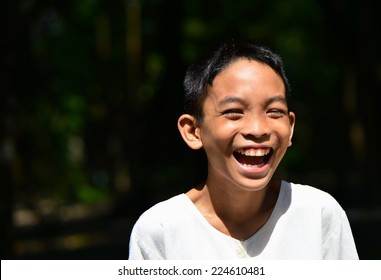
(311, 196)
(308, 191)
(164, 210)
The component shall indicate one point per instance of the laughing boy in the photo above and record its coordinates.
(236, 109)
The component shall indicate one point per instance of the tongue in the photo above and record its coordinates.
(249, 159)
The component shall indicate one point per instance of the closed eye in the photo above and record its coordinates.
(276, 113)
(233, 114)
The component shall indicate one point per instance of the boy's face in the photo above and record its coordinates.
(246, 128)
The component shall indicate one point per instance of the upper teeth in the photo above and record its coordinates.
(254, 152)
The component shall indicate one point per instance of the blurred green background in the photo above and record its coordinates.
(91, 91)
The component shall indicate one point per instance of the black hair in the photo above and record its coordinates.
(202, 71)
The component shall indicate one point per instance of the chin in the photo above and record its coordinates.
(253, 185)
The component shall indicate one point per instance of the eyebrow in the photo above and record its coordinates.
(231, 99)
(234, 99)
(277, 98)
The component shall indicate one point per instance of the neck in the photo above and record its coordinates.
(239, 204)
(238, 213)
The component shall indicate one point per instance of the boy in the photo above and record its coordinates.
(237, 111)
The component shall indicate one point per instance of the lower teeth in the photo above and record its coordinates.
(251, 165)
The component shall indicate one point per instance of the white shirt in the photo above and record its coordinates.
(306, 223)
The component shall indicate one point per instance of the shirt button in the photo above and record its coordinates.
(241, 252)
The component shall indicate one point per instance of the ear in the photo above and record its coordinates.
(190, 131)
(291, 117)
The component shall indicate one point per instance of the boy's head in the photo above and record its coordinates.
(237, 111)
(202, 72)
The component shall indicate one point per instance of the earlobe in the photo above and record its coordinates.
(190, 132)
(291, 117)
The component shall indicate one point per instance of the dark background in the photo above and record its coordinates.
(91, 92)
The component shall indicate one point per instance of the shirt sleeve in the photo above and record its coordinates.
(338, 241)
(146, 240)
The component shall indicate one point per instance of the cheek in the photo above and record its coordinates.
(284, 133)
(218, 139)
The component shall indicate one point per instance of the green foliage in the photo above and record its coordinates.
(75, 95)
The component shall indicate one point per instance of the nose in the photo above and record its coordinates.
(256, 127)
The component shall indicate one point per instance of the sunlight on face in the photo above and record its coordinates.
(247, 127)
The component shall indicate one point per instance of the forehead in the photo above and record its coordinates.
(247, 76)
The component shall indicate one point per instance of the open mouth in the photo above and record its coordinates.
(253, 157)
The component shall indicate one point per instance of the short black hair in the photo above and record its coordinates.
(203, 71)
